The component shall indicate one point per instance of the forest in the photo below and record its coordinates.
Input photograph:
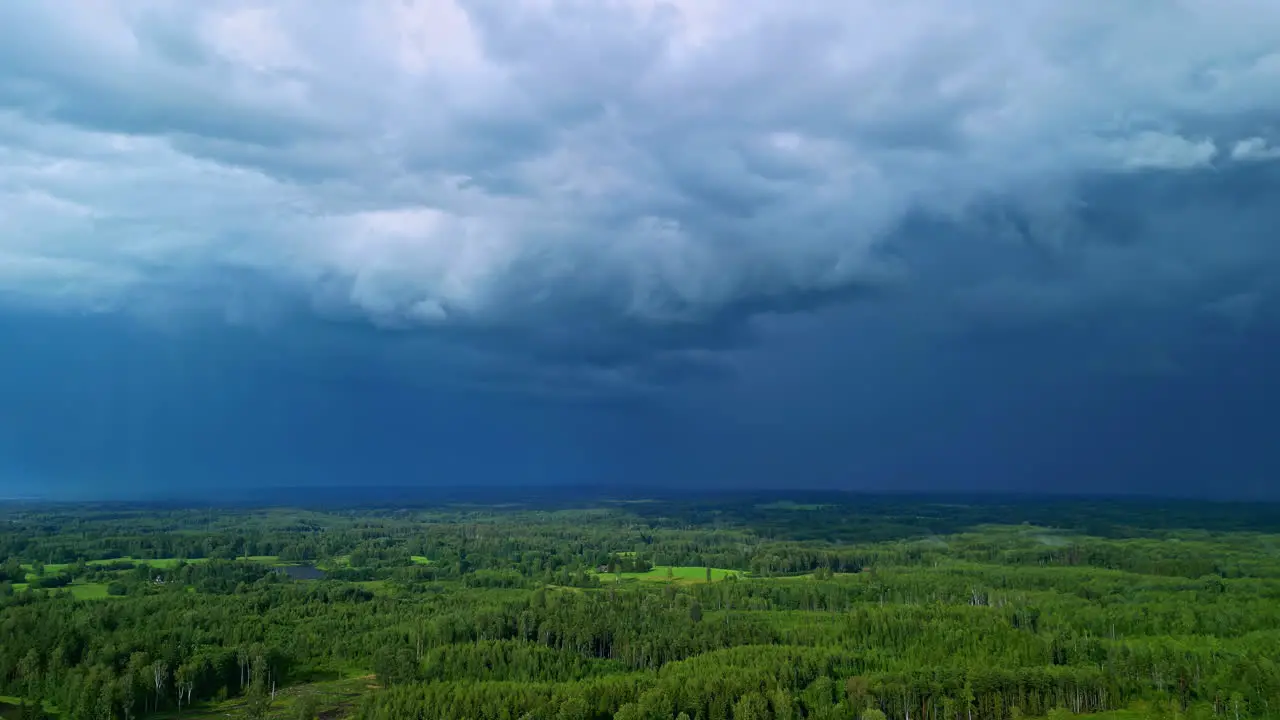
(735, 606)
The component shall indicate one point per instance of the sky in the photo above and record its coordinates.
(999, 245)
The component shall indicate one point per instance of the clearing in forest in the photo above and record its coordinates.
(679, 574)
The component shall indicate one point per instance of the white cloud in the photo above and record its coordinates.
(253, 38)
(1254, 148)
(472, 161)
(1162, 151)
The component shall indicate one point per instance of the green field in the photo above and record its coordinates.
(98, 591)
(333, 698)
(858, 576)
(161, 563)
(78, 590)
(679, 574)
(269, 559)
(89, 591)
(377, 587)
(10, 707)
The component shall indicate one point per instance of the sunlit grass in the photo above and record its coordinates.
(88, 591)
(377, 587)
(263, 558)
(335, 698)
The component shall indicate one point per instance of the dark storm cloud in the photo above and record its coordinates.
(763, 235)
(131, 72)
(651, 167)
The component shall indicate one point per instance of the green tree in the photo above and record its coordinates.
(629, 711)
(257, 702)
(1238, 705)
(655, 704)
(856, 689)
(783, 705)
(307, 706)
(967, 698)
(104, 707)
(29, 672)
(751, 706)
(872, 713)
(574, 707)
(818, 696)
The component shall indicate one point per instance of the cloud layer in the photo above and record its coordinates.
(616, 177)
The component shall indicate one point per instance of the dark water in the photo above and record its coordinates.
(302, 572)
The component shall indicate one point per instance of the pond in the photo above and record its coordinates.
(302, 572)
